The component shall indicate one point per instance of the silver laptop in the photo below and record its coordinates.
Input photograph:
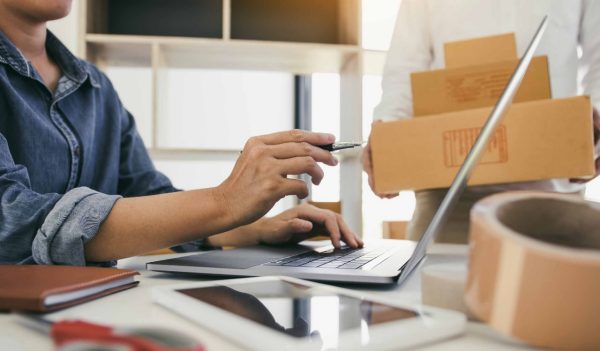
(379, 262)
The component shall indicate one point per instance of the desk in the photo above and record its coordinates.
(134, 307)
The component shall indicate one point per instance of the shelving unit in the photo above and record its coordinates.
(294, 36)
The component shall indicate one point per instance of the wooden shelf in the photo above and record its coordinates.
(299, 58)
(309, 21)
(185, 18)
(118, 50)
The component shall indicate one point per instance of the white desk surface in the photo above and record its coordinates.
(135, 308)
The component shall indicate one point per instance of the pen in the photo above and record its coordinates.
(339, 146)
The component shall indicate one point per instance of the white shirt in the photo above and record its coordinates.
(423, 26)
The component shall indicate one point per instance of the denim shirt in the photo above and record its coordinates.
(65, 157)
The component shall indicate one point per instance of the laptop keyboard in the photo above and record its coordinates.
(344, 258)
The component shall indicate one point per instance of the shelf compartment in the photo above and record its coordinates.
(191, 115)
(309, 21)
(184, 18)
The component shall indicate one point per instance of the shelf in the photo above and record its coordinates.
(184, 18)
(309, 21)
(299, 58)
(128, 51)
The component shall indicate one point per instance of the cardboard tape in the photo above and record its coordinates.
(534, 268)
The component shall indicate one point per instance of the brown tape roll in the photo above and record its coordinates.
(534, 268)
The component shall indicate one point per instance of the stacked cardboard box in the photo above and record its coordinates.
(540, 137)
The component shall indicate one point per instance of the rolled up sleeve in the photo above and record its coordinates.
(74, 220)
(45, 228)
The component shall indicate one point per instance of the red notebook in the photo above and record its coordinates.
(50, 288)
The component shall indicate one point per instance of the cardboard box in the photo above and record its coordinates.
(537, 140)
(468, 87)
(480, 51)
(477, 70)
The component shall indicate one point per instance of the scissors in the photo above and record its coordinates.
(78, 335)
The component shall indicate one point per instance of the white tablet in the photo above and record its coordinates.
(282, 313)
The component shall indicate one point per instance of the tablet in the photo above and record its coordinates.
(282, 313)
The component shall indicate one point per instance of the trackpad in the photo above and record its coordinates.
(239, 258)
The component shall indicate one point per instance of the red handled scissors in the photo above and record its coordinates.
(77, 335)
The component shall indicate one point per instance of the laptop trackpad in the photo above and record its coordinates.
(241, 258)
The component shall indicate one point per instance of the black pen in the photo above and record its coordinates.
(339, 146)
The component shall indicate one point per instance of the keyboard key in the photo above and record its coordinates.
(351, 266)
(322, 261)
(298, 263)
(313, 264)
(333, 264)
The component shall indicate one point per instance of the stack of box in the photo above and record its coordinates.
(539, 138)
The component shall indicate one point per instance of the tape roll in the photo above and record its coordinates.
(534, 268)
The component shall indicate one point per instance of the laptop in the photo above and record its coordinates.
(378, 262)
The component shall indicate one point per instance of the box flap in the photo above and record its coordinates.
(480, 50)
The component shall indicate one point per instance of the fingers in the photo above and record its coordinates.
(366, 159)
(388, 196)
(259, 178)
(291, 150)
(294, 187)
(298, 225)
(297, 136)
(348, 235)
(300, 165)
(588, 179)
(333, 223)
(368, 168)
(596, 123)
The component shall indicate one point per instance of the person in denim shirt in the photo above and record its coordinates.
(77, 185)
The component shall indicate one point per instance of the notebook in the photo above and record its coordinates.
(50, 288)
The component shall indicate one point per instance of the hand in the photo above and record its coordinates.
(259, 177)
(596, 126)
(304, 222)
(368, 168)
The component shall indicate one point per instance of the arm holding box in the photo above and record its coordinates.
(590, 60)
(410, 51)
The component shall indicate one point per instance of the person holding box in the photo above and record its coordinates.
(77, 185)
(422, 29)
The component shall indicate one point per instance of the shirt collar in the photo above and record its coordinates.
(10, 55)
(71, 66)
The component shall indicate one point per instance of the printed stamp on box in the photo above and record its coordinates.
(458, 143)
